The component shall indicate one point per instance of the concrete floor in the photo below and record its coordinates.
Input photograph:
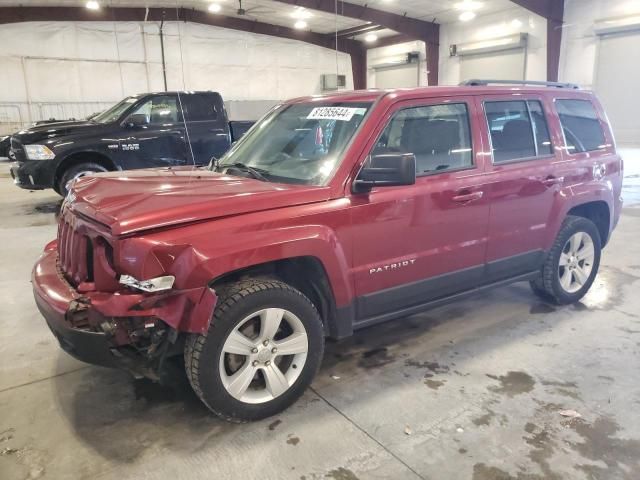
(472, 390)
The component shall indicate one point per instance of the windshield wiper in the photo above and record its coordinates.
(257, 173)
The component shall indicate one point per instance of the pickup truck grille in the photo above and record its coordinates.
(75, 251)
(17, 151)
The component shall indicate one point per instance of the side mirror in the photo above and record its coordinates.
(136, 120)
(386, 170)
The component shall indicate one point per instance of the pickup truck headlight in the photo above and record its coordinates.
(38, 152)
(157, 284)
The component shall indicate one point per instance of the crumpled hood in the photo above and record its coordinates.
(54, 130)
(146, 199)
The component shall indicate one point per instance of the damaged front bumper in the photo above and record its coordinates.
(123, 329)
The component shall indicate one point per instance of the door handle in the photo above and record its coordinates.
(551, 180)
(466, 196)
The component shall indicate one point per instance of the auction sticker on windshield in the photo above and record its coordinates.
(334, 113)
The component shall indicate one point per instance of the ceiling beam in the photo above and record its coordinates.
(549, 9)
(81, 14)
(359, 30)
(130, 14)
(390, 40)
(553, 12)
(418, 29)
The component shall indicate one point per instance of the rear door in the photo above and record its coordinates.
(418, 243)
(207, 125)
(523, 184)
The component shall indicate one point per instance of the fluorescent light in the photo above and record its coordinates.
(300, 24)
(301, 13)
(468, 5)
(466, 16)
(214, 8)
(370, 38)
(515, 23)
(93, 5)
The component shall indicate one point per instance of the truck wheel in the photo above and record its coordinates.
(262, 350)
(77, 171)
(571, 264)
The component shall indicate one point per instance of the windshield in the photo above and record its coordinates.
(300, 143)
(112, 114)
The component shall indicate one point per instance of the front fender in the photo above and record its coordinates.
(305, 241)
(197, 260)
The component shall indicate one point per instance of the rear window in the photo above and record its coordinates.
(581, 126)
(518, 130)
(199, 107)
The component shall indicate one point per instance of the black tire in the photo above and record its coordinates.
(74, 171)
(548, 286)
(236, 301)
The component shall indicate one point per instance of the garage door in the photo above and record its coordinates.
(397, 77)
(505, 65)
(617, 79)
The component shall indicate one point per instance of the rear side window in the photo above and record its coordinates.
(580, 124)
(199, 107)
(518, 130)
(438, 135)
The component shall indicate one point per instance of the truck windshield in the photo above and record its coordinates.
(299, 143)
(112, 114)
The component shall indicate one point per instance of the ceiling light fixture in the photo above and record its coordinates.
(300, 24)
(93, 5)
(214, 8)
(515, 23)
(301, 13)
(370, 38)
(468, 5)
(466, 16)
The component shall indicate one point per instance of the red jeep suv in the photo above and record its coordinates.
(333, 213)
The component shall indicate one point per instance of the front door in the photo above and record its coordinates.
(418, 243)
(158, 143)
(522, 181)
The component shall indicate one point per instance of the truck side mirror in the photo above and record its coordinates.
(386, 170)
(136, 120)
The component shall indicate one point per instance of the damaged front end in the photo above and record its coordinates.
(104, 319)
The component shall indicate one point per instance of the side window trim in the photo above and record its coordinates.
(466, 104)
(537, 155)
(533, 129)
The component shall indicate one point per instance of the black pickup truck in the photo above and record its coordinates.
(142, 131)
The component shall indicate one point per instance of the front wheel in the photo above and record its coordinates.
(572, 263)
(262, 350)
(74, 172)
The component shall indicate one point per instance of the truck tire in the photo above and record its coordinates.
(262, 350)
(77, 171)
(571, 264)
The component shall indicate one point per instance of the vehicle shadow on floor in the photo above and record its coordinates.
(120, 417)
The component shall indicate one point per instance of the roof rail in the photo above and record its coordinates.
(477, 82)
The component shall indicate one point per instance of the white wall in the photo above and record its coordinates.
(382, 55)
(510, 21)
(74, 68)
(579, 42)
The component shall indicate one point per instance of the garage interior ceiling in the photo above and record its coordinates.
(280, 12)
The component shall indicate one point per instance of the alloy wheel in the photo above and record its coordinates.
(263, 355)
(576, 262)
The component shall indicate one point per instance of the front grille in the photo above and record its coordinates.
(74, 251)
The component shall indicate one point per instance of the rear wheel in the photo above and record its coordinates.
(571, 264)
(262, 350)
(77, 171)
